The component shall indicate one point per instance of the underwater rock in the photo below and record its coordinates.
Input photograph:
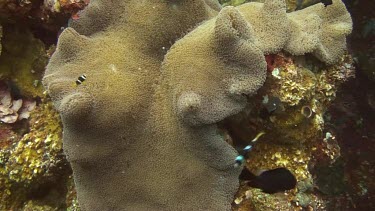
(305, 94)
(293, 139)
(42, 14)
(255, 199)
(153, 81)
(32, 160)
(22, 61)
(362, 40)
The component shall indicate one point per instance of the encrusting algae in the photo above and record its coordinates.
(22, 61)
(292, 138)
(35, 158)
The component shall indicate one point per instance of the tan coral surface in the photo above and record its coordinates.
(1, 34)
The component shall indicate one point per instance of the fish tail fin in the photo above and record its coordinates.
(258, 136)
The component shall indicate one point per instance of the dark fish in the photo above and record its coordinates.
(272, 104)
(326, 2)
(271, 181)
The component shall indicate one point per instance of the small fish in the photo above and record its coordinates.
(241, 158)
(326, 2)
(271, 181)
(81, 79)
(272, 104)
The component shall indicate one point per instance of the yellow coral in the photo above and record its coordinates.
(33, 157)
(296, 84)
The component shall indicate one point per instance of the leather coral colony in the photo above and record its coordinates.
(140, 131)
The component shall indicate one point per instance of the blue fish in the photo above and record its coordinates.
(241, 158)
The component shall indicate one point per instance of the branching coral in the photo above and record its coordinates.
(140, 131)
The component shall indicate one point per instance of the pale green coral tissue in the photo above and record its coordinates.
(140, 132)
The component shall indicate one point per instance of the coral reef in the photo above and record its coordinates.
(255, 199)
(148, 87)
(351, 120)
(22, 61)
(48, 14)
(28, 159)
(338, 147)
(32, 163)
(294, 138)
(44, 18)
(31, 160)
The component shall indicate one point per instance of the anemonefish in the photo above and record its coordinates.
(81, 79)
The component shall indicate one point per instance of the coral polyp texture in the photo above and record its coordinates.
(1, 34)
(141, 88)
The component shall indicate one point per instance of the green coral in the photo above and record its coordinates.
(23, 60)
